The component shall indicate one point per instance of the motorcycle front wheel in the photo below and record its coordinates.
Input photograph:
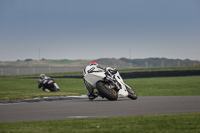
(110, 94)
(131, 93)
(54, 89)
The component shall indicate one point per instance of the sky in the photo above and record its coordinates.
(93, 29)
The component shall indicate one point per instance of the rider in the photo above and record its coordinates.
(42, 81)
(94, 67)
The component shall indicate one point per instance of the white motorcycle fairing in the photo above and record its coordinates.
(123, 91)
(94, 77)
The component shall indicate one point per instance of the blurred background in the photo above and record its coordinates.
(123, 33)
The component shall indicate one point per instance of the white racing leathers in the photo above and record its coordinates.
(90, 69)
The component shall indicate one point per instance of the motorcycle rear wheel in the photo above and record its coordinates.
(110, 94)
(131, 93)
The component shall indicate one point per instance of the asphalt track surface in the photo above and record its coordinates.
(98, 108)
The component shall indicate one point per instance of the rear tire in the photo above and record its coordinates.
(110, 94)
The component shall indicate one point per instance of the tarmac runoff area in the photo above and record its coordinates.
(78, 107)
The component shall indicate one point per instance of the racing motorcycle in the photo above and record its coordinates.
(51, 85)
(110, 84)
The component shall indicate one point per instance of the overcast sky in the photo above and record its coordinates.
(92, 29)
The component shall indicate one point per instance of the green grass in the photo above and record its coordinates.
(179, 123)
(13, 89)
(166, 86)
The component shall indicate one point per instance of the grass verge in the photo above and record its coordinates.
(14, 89)
(176, 123)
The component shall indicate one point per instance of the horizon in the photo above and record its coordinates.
(29, 59)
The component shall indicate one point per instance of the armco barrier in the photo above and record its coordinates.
(150, 74)
(160, 74)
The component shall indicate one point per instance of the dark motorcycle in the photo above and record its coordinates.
(51, 85)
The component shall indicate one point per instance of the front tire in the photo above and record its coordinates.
(131, 93)
(54, 89)
(110, 94)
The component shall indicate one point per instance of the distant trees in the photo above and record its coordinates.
(31, 59)
(28, 60)
(160, 62)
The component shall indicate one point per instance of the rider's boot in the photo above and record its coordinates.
(47, 90)
(93, 96)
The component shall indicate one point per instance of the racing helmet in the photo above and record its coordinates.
(42, 76)
(94, 63)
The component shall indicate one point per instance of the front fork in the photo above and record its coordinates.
(55, 84)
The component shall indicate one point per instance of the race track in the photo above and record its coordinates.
(99, 108)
